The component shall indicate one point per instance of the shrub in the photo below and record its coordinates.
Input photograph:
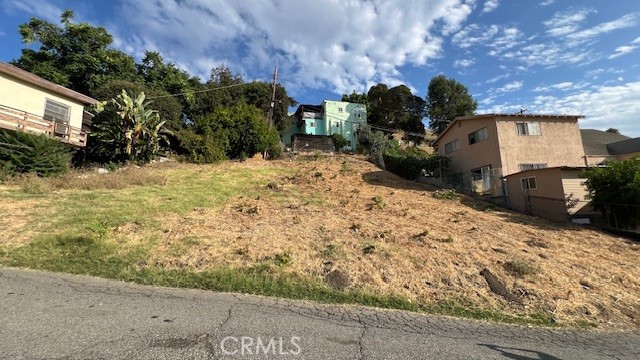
(410, 163)
(199, 149)
(446, 194)
(28, 153)
(615, 191)
(375, 143)
(339, 142)
(521, 268)
(240, 130)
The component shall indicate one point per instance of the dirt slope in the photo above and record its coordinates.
(392, 236)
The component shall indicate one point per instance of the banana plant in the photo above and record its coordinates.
(141, 127)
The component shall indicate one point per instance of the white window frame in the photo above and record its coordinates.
(455, 146)
(528, 128)
(527, 181)
(54, 114)
(340, 109)
(478, 136)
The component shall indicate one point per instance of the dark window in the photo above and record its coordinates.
(528, 183)
(478, 136)
(528, 128)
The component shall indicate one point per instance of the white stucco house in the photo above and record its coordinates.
(30, 103)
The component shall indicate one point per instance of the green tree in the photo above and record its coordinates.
(615, 191)
(241, 130)
(128, 130)
(75, 55)
(166, 77)
(357, 98)
(396, 108)
(223, 89)
(258, 94)
(613, 131)
(446, 99)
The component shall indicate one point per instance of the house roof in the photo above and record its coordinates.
(515, 116)
(628, 146)
(548, 168)
(596, 142)
(45, 84)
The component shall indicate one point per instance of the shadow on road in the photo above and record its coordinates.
(510, 353)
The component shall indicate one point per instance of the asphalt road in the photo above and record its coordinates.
(56, 316)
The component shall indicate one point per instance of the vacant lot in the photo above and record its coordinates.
(336, 229)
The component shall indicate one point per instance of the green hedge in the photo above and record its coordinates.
(411, 162)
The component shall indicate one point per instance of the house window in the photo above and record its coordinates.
(337, 124)
(358, 113)
(528, 183)
(528, 128)
(312, 124)
(524, 167)
(340, 109)
(478, 136)
(55, 111)
(451, 146)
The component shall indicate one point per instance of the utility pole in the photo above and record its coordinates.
(273, 96)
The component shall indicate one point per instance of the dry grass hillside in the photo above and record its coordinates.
(344, 221)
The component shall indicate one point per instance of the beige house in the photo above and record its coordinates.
(555, 193)
(32, 104)
(485, 148)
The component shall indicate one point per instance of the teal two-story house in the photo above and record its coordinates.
(326, 119)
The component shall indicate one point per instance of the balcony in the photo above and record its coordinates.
(18, 120)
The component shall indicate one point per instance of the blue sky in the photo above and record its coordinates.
(546, 56)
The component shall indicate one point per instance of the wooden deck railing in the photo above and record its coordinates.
(18, 120)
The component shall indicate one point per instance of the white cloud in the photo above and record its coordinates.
(498, 37)
(636, 41)
(604, 106)
(622, 50)
(566, 22)
(547, 2)
(625, 21)
(497, 78)
(342, 45)
(37, 8)
(463, 63)
(560, 86)
(512, 86)
(490, 5)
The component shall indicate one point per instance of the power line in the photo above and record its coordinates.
(201, 91)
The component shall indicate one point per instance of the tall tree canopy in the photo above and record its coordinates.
(229, 89)
(446, 99)
(396, 108)
(357, 98)
(75, 55)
